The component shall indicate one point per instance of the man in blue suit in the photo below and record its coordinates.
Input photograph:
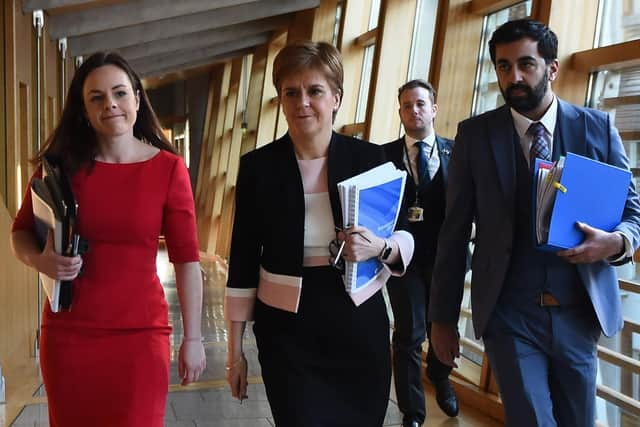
(425, 157)
(540, 314)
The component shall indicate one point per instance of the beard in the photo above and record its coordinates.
(532, 95)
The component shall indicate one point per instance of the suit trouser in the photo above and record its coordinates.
(409, 300)
(545, 363)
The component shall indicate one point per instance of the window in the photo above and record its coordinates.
(422, 43)
(486, 93)
(365, 80)
(617, 91)
(336, 26)
(620, 21)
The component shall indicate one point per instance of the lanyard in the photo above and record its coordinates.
(406, 155)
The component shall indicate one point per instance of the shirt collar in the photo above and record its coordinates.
(548, 120)
(429, 141)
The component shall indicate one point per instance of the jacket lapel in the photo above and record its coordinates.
(338, 168)
(444, 151)
(571, 125)
(501, 131)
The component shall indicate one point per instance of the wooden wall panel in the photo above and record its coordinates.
(257, 81)
(571, 84)
(3, 134)
(223, 146)
(354, 23)
(18, 320)
(230, 178)
(458, 67)
(50, 106)
(269, 109)
(19, 69)
(390, 69)
(221, 187)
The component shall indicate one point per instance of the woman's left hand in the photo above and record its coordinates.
(191, 361)
(360, 244)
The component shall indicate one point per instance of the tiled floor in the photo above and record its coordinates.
(208, 403)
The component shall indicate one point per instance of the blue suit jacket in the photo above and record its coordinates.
(482, 186)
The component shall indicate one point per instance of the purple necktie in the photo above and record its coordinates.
(539, 148)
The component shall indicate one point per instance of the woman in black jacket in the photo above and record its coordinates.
(324, 356)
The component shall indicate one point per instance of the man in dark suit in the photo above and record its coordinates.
(425, 157)
(539, 313)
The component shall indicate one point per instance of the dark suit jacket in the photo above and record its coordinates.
(425, 233)
(482, 185)
(268, 229)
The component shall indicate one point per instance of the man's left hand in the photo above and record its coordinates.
(597, 245)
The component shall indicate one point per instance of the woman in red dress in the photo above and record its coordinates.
(105, 362)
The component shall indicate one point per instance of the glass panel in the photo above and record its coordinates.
(620, 22)
(422, 43)
(486, 93)
(365, 80)
(618, 93)
(375, 13)
(336, 27)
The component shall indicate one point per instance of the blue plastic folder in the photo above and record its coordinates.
(588, 191)
(372, 200)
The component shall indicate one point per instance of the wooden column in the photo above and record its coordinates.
(571, 85)
(269, 109)
(212, 210)
(228, 205)
(257, 81)
(390, 68)
(460, 48)
(354, 23)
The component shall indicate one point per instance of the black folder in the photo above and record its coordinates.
(55, 208)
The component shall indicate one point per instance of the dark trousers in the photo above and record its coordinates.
(409, 297)
(545, 363)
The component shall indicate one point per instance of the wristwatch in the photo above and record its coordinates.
(385, 252)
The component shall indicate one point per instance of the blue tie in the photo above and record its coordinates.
(539, 148)
(423, 163)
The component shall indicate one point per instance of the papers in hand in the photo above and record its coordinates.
(55, 209)
(576, 189)
(371, 199)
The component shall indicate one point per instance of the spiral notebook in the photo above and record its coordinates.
(371, 199)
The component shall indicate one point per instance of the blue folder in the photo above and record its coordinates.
(371, 199)
(378, 209)
(596, 194)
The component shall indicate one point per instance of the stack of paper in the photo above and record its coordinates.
(55, 208)
(576, 189)
(372, 200)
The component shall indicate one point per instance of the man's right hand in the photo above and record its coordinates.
(445, 342)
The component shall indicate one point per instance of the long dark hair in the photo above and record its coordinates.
(73, 143)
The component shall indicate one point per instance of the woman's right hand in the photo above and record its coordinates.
(237, 377)
(57, 266)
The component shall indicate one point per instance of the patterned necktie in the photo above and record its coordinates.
(539, 148)
(423, 163)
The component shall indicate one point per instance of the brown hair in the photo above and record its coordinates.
(302, 55)
(73, 143)
(412, 84)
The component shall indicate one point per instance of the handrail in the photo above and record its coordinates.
(619, 359)
(623, 401)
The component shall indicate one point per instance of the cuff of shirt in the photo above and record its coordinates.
(628, 249)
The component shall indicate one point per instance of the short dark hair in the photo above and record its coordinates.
(526, 28)
(73, 143)
(412, 84)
